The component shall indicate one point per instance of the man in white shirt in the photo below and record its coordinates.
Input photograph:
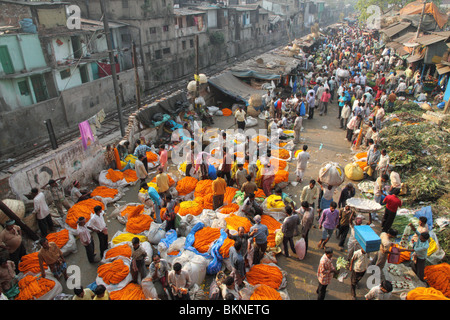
(310, 193)
(297, 128)
(86, 239)
(139, 167)
(358, 267)
(42, 211)
(302, 162)
(179, 282)
(97, 224)
(380, 292)
(240, 118)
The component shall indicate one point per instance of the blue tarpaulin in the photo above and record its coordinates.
(427, 213)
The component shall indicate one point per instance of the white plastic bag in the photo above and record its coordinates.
(332, 174)
(156, 232)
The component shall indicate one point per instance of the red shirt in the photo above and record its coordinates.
(392, 203)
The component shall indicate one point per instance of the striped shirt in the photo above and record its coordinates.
(325, 270)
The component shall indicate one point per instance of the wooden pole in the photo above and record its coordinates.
(6, 210)
(136, 77)
(421, 18)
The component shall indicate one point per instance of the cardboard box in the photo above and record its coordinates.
(367, 238)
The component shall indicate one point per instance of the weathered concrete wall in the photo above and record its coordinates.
(85, 101)
(69, 160)
(24, 127)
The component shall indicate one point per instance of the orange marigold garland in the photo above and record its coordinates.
(33, 287)
(186, 185)
(113, 272)
(60, 237)
(228, 197)
(82, 209)
(234, 222)
(438, 277)
(229, 208)
(123, 250)
(265, 274)
(104, 192)
(273, 225)
(227, 112)
(264, 292)
(30, 263)
(131, 291)
(205, 237)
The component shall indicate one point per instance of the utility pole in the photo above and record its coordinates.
(136, 77)
(113, 65)
(197, 76)
(421, 18)
(197, 79)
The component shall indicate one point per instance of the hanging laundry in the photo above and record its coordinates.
(87, 137)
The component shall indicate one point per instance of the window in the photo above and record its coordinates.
(5, 60)
(148, 56)
(126, 38)
(23, 88)
(183, 44)
(165, 28)
(65, 74)
(158, 54)
(166, 51)
(191, 43)
(152, 30)
(124, 4)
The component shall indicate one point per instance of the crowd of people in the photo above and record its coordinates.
(336, 71)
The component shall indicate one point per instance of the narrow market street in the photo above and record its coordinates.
(333, 139)
(326, 142)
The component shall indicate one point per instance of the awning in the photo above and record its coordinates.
(395, 29)
(232, 86)
(254, 74)
(417, 7)
(415, 58)
(442, 69)
(431, 39)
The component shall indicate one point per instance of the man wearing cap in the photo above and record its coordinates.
(42, 211)
(260, 236)
(86, 239)
(58, 196)
(11, 240)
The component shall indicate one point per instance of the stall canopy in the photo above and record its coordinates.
(232, 86)
(416, 7)
(396, 28)
(254, 74)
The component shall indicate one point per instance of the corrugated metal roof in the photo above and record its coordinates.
(441, 68)
(186, 12)
(396, 28)
(431, 39)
